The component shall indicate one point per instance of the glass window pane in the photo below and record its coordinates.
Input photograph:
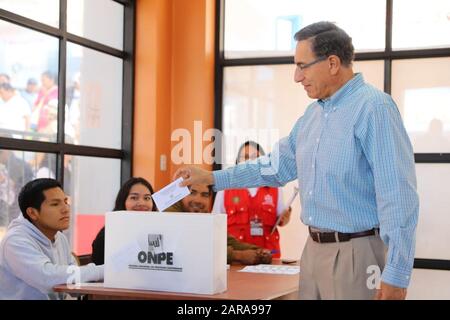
(90, 198)
(433, 238)
(264, 102)
(28, 83)
(417, 24)
(93, 98)
(99, 20)
(438, 280)
(272, 24)
(421, 87)
(45, 11)
(260, 103)
(373, 72)
(16, 169)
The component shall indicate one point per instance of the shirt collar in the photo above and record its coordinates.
(347, 89)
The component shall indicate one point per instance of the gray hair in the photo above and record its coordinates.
(328, 39)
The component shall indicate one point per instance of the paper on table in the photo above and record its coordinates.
(289, 204)
(170, 194)
(92, 284)
(273, 269)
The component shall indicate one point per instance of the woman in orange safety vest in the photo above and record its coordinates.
(253, 212)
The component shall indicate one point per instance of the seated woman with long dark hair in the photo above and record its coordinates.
(135, 195)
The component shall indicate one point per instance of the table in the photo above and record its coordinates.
(241, 286)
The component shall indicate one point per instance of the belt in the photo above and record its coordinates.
(328, 237)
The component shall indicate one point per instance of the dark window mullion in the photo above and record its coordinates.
(128, 89)
(220, 26)
(359, 56)
(51, 147)
(389, 24)
(432, 157)
(29, 23)
(257, 61)
(86, 151)
(125, 2)
(435, 264)
(94, 45)
(388, 48)
(388, 75)
(218, 79)
(421, 53)
(28, 145)
(61, 89)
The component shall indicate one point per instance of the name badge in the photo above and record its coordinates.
(256, 227)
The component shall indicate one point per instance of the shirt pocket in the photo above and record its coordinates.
(269, 216)
(238, 214)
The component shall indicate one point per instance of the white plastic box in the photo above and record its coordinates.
(178, 252)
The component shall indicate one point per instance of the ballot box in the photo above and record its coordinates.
(179, 252)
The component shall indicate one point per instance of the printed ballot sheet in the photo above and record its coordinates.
(272, 269)
(170, 194)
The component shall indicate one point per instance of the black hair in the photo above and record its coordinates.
(8, 78)
(6, 86)
(51, 75)
(124, 191)
(32, 194)
(210, 189)
(31, 81)
(253, 144)
(328, 39)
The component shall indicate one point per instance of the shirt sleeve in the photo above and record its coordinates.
(273, 170)
(388, 150)
(33, 267)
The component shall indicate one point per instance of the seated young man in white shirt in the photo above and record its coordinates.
(34, 254)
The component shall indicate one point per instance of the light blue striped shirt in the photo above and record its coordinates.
(355, 169)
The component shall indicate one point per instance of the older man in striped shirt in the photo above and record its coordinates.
(355, 168)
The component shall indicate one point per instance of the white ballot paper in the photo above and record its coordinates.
(170, 194)
(271, 268)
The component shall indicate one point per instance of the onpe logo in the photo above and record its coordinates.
(155, 243)
(155, 253)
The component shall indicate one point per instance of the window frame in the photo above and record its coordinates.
(127, 55)
(387, 55)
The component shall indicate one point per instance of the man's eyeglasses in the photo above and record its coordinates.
(303, 66)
